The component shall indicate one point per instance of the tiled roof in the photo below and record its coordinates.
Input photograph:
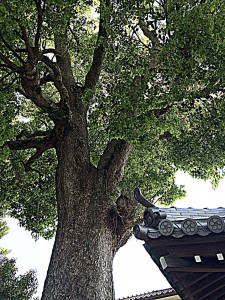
(178, 222)
(151, 295)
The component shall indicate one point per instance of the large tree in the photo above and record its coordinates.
(106, 95)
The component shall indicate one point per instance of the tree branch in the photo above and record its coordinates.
(3, 67)
(157, 112)
(93, 74)
(112, 162)
(7, 86)
(32, 141)
(12, 50)
(34, 157)
(57, 78)
(26, 144)
(46, 78)
(9, 63)
(38, 99)
(166, 136)
(63, 58)
(39, 24)
(150, 34)
(24, 34)
(27, 43)
(38, 133)
(50, 50)
(26, 140)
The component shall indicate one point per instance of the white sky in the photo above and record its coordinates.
(134, 271)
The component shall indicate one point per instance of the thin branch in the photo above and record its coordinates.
(45, 79)
(6, 76)
(44, 6)
(157, 112)
(38, 133)
(74, 36)
(8, 85)
(93, 74)
(150, 34)
(57, 78)
(39, 24)
(21, 37)
(21, 50)
(50, 50)
(34, 157)
(9, 63)
(38, 99)
(112, 162)
(3, 67)
(137, 35)
(27, 43)
(24, 34)
(166, 136)
(12, 50)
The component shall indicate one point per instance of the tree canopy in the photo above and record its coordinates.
(149, 74)
(161, 88)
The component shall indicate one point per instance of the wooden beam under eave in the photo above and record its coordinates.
(196, 269)
(203, 249)
(211, 293)
(193, 279)
(208, 283)
(177, 264)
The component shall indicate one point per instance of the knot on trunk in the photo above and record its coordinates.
(121, 220)
(30, 74)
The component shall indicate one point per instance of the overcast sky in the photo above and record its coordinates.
(134, 271)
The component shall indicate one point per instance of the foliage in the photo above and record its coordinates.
(30, 197)
(3, 231)
(20, 287)
(161, 88)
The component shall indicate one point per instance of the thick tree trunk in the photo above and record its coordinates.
(86, 239)
(81, 263)
(82, 257)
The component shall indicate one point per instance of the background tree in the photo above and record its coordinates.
(13, 286)
(107, 95)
